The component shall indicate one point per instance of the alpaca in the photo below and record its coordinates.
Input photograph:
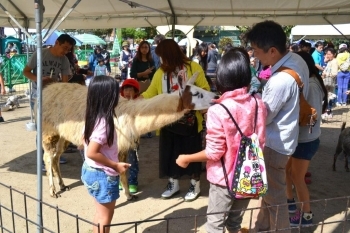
(63, 123)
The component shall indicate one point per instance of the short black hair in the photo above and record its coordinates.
(233, 70)
(266, 35)
(318, 43)
(66, 38)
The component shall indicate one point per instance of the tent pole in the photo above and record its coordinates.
(14, 20)
(146, 19)
(63, 18)
(53, 21)
(335, 28)
(38, 5)
(195, 25)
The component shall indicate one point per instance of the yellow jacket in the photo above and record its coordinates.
(156, 86)
(342, 57)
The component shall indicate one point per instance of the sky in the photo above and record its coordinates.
(12, 32)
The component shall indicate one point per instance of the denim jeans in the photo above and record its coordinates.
(343, 82)
(134, 168)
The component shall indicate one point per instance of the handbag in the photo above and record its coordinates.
(144, 84)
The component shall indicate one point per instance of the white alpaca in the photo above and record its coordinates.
(64, 114)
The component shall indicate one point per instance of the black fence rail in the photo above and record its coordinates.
(18, 213)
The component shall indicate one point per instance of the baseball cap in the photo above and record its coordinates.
(130, 82)
(343, 46)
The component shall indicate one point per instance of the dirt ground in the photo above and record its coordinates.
(18, 170)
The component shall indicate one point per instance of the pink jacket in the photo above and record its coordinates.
(223, 138)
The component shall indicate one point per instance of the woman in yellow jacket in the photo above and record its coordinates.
(343, 77)
(177, 138)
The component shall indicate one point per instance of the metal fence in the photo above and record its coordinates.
(18, 215)
(12, 70)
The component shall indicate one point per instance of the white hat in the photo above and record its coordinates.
(343, 46)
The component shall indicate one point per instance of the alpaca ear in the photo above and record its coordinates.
(192, 79)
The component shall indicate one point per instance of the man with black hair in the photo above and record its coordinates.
(157, 39)
(281, 97)
(107, 57)
(55, 66)
(318, 56)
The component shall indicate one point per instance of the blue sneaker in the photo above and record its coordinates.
(292, 207)
(43, 167)
(302, 219)
(63, 160)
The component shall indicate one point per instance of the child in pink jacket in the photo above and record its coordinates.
(223, 138)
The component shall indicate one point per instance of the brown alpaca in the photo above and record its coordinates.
(64, 114)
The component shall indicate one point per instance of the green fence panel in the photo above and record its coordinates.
(12, 70)
(83, 55)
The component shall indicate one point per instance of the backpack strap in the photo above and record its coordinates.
(293, 74)
(255, 116)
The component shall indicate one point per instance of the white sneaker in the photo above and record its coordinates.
(337, 104)
(193, 191)
(172, 188)
(343, 104)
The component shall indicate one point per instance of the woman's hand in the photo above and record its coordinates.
(182, 161)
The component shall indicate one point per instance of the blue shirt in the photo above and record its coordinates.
(281, 97)
(318, 58)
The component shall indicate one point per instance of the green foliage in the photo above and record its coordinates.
(224, 41)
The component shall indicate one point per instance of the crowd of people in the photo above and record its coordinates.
(242, 75)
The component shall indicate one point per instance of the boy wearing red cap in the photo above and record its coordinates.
(130, 90)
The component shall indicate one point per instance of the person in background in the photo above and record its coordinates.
(343, 77)
(143, 66)
(107, 58)
(175, 70)
(101, 68)
(329, 74)
(256, 61)
(307, 147)
(318, 56)
(101, 168)
(157, 39)
(2, 92)
(281, 97)
(305, 46)
(223, 138)
(212, 60)
(125, 60)
(130, 90)
(93, 59)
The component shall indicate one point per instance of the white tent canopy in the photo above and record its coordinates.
(91, 14)
(320, 31)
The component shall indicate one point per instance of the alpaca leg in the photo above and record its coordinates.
(49, 146)
(123, 178)
(124, 182)
(61, 147)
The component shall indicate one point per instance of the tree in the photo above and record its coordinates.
(223, 42)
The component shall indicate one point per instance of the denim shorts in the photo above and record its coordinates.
(306, 150)
(102, 187)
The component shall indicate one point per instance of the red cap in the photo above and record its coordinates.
(130, 82)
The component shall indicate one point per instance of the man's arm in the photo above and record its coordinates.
(27, 71)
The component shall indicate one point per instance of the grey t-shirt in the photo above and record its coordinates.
(50, 63)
